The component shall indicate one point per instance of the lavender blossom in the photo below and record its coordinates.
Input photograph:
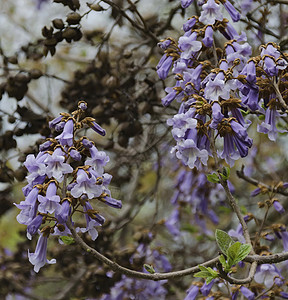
(38, 259)
(210, 13)
(56, 166)
(265, 274)
(164, 66)
(86, 185)
(33, 226)
(66, 137)
(235, 15)
(186, 3)
(50, 202)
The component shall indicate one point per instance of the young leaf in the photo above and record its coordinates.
(209, 279)
(213, 178)
(149, 268)
(208, 273)
(202, 274)
(225, 173)
(243, 252)
(233, 253)
(223, 260)
(224, 241)
(68, 240)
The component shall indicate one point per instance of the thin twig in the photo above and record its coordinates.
(118, 268)
(258, 183)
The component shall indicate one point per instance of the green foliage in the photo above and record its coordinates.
(234, 251)
(68, 240)
(207, 273)
(225, 173)
(213, 178)
(224, 241)
(149, 268)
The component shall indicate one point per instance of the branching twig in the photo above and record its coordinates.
(258, 183)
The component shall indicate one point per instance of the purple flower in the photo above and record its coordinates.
(97, 128)
(192, 292)
(247, 293)
(45, 146)
(206, 288)
(38, 259)
(28, 207)
(82, 105)
(33, 226)
(75, 154)
(210, 13)
(50, 202)
(164, 44)
(277, 205)
(173, 223)
(217, 115)
(181, 123)
(217, 87)
(265, 274)
(98, 160)
(66, 137)
(189, 24)
(235, 15)
(111, 202)
(189, 153)
(186, 3)
(164, 66)
(55, 121)
(208, 38)
(284, 295)
(91, 223)
(86, 184)
(238, 234)
(269, 125)
(189, 45)
(36, 167)
(63, 214)
(87, 143)
(236, 137)
(56, 167)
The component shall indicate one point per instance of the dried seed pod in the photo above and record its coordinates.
(13, 60)
(58, 23)
(69, 33)
(35, 73)
(73, 18)
(47, 32)
(22, 78)
(50, 42)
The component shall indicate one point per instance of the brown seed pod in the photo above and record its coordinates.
(73, 18)
(58, 23)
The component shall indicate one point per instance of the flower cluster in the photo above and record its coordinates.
(217, 86)
(65, 177)
(196, 195)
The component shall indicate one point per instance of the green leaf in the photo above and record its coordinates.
(209, 279)
(212, 272)
(237, 252)
(208, 273)
(213, 178)
(149, 268)
(68, 240)
(225, 173)
(222, 260)
(243, 252)
(224, 241)
(232, 253)
(202, 274)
